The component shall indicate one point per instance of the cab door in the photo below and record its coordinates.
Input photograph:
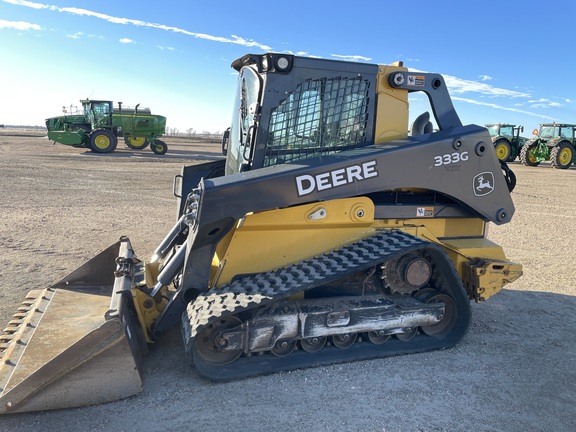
(244, 123)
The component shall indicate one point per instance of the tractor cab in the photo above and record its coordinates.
(499, 130)
(98, 113)
(504, 130)
(556, 131)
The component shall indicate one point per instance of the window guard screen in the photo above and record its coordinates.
(320, 117)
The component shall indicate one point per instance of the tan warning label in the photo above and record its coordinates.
(425, 212)
(416, 80)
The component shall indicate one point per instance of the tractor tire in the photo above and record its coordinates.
(103, 141)
(562, 155)
(159, 147)
(527, 156)
(136, 143)
(503, 149)
(514, 153)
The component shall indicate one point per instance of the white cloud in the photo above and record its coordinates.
(76, 35)
(301, 54)
(19, 25)
(29, 4)
(160, 47)
(485, 77)
(546, 105)
(351, 57)
(491, 105)
(458, 86)
(543, 103)
(126, 41)
(233, 39)
(400, 57)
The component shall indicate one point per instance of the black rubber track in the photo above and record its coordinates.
(254, 290)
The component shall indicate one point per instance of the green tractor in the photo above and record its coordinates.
(554, 142)
(100, 126)
(507, 140)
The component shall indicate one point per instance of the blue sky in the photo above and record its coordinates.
(503, 61)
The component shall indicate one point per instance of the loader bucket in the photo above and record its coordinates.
(75, 343)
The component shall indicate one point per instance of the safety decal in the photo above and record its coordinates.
(483, 184)
(416, 80)
(425, 212)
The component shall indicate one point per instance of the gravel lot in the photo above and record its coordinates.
(513, 372)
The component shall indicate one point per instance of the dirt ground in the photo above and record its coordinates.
(513, 372)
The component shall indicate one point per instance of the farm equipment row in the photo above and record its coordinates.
(554, 142)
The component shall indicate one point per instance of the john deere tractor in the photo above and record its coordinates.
(554, 142)
(100, 126)
(507, 140)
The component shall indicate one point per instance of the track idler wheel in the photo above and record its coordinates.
(209, 344)
(447, 322)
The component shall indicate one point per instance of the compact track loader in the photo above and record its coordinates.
(330, 233)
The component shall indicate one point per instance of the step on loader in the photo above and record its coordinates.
(330, 233)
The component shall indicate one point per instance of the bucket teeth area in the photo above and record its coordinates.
(20, 328)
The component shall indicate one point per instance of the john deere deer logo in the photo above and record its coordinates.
(483, 184)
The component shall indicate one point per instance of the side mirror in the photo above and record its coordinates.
(225, 138)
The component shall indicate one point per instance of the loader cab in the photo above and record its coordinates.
(290, 108)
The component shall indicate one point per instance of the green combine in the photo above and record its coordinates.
(100, 126)
(554, 142)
